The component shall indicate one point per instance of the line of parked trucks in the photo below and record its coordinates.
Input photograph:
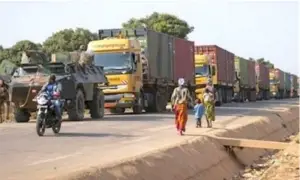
(152, 63)
(142, 68)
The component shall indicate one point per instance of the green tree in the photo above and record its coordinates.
(14, 53)
(161, 22)
(24, 45)
(1, 48)
(265, 62)
(68, 40)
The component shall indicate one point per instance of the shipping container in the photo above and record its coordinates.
(224, 61)
(294, 82)
(251, 74)
(287, 81)
(263, 75)
(184, 62)
(159, 49)
(241, 68)
(277, 75)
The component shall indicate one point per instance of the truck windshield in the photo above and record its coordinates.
(114, 61)
(202, 70)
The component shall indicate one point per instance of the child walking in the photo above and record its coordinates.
(199, 111)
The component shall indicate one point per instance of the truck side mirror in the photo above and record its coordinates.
(134, 59)
(213, 70)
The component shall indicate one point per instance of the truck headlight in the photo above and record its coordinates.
(128, 95)
(122, 86)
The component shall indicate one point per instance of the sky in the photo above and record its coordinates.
(246, 28)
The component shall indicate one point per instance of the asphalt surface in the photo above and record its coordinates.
(24, 155)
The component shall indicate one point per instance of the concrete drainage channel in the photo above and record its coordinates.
(213, 156)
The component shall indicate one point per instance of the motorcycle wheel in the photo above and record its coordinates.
(56, 128)
(40, 126)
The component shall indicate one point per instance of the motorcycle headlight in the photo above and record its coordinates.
(42, 100)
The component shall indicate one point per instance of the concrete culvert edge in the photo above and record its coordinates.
(201, 157)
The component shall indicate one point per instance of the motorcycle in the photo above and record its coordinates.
(46, 117)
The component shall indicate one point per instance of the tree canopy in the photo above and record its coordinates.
(71, 39)
(265, 62)
(68, 40)
(162, 22)
(14, 53)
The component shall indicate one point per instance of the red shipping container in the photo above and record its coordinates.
(224, 61)
(263, 76)
(251, 74)
(184, 64)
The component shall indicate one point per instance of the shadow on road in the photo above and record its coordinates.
(91, 135)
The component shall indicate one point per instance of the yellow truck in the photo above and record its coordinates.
(140, 66)
(276, 77)
(214, 64)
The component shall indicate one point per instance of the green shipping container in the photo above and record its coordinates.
(241, 69)
(287, 81)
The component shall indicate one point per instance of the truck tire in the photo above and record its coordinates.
(97, 105)
(76, 111)
(219, 94)
(21, 115)
(159, 103)
(139, 106)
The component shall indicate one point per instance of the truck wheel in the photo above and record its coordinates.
(139, 106)
(97, 105)
(219, 97)
(76, 111)
(160, 102)
(21, 115)
(157, 104)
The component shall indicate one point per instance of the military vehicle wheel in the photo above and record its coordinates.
(97, 105)
(139, 106)
(76, 112)
(21, 115)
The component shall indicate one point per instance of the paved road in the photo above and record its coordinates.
(24, 155)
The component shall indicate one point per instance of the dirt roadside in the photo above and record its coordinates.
(275, 166)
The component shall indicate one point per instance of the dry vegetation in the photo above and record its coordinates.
(281, 165)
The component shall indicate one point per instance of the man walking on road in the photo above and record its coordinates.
(180, 99)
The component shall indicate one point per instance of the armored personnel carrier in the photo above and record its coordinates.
(7, 69)
(78, 79)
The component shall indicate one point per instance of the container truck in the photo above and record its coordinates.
(276, 83)
(244, 86)
(215, 64)
(142, 67)
(287, 84)
(262, 81)
(294, 81)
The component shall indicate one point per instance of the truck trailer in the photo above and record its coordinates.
(276, 83)
(294, 83)
(262, 81)
(244, 86)
(142, 67)
(215, 64)
(287, 85)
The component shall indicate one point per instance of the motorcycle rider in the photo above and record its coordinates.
(52, 88)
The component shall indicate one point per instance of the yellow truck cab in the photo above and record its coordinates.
(204, 72)
(121, 60)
